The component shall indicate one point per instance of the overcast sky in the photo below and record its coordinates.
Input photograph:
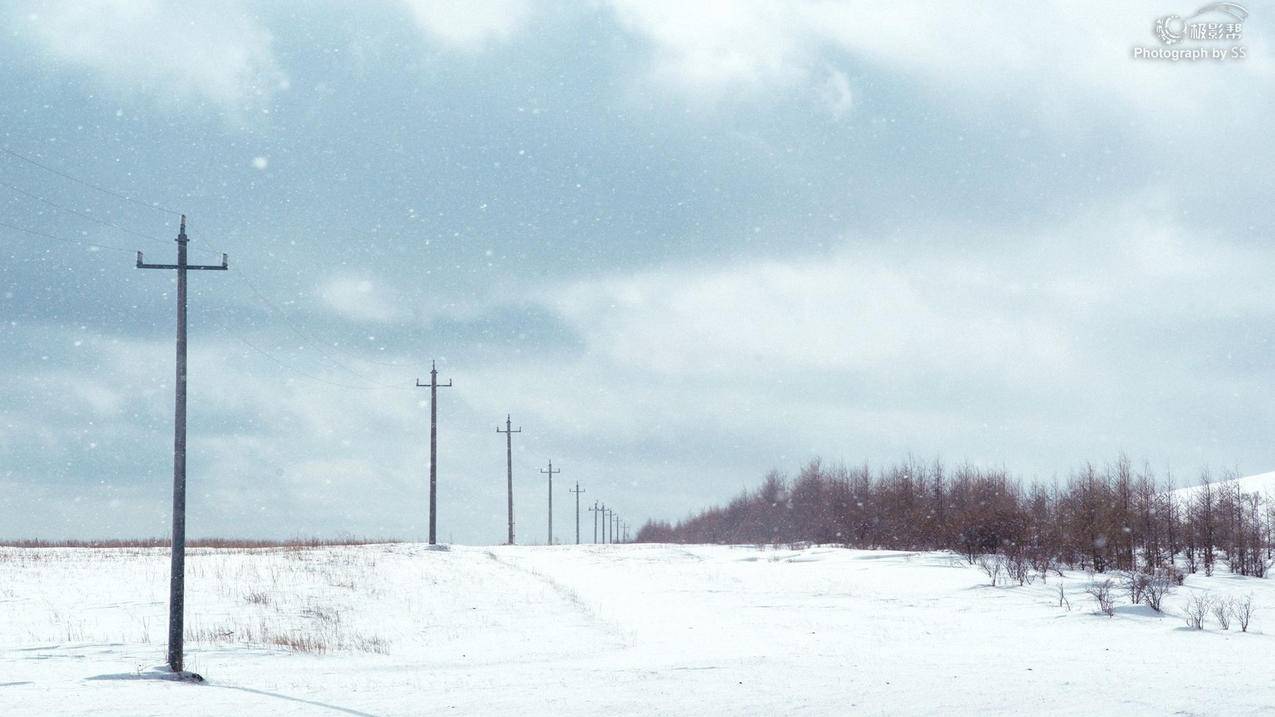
(681, 243)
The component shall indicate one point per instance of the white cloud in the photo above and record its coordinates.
(362, 300)
(469, 25)
(717, 46)
(211, 51)
(836, 94)
(1057, 59)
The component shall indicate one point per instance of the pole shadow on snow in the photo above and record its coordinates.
(164, 676)
(315, 703)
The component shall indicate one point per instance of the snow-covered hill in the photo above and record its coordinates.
(1262, 483)
(605, 630)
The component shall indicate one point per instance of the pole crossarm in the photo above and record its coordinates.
(225, 264)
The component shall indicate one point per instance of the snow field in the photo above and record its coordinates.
(402, 629)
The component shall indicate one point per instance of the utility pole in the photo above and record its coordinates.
(595, 510)
(607, 515)
(550, 473)
(433, 387)
(509, 468)
(577, 491)
(177, 574)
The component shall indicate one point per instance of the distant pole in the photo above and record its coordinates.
(509, 468)
(595, 510)
(177, 572)
(577, 491)
(433, 387)
(606, 525)
(550, 473)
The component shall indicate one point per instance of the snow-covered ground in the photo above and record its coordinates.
(1262, 484)
(605, 630)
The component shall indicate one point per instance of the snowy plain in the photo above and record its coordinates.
(604, 630)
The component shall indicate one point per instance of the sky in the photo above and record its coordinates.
(681, 244)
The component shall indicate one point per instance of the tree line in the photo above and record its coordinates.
(1114, 518)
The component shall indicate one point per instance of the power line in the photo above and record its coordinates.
(33, 232)
(86, 183)
(79, 213)
(312, 377)
(309, 337)
(278, 310)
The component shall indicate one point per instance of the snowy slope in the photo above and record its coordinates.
(1261, 483)
(611, 630)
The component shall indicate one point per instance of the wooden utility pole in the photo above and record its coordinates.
(595, 510)
(577, 491)
(433, 387)
(509, 468)
(177, 572)
(550, 473)
(607, 516)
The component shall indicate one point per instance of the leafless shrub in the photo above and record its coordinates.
(1157, 587)
(992, 565)
(1243, 610)
(1017, 567)
(1102, 593)
(1062, 598)
(1136, 585)
(257, 598)
(1042, 563)
(1197, 610)
(1221, 610)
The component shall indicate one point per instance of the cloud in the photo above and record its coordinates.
(469, 25)
(1057, 60)
(217, 52)
(1039, 349)
(362, 300)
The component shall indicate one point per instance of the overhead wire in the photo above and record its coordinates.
(78, 213)
(54, 237)
(85, 182)
(303, 374)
